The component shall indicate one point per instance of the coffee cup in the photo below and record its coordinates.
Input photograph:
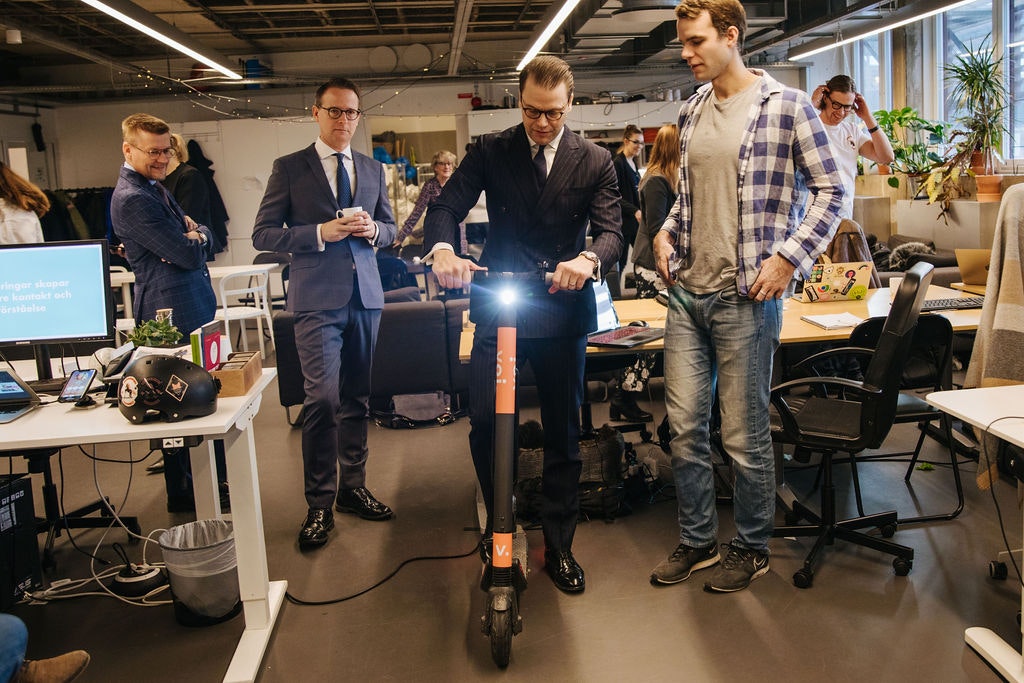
(350, 211)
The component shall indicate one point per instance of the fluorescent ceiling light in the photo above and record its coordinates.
(549, 31)
(914, 12)
(143, 21)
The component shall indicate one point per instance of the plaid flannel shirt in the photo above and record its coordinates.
(784, 154)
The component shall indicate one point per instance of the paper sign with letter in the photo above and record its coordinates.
(838, 281)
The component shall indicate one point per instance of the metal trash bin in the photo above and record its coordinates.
(201, 566)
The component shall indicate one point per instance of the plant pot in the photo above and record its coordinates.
(990, 187)
(978, 162)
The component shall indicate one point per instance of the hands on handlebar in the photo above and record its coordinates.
(454, 272)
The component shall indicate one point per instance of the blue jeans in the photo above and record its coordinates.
(721, 341)
(13, 641)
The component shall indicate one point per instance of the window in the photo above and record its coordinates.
(869, 75)
(963, 29)
(1014, 75)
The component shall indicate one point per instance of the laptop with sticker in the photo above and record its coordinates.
(16, 397)
(609, 331)
(973, 264)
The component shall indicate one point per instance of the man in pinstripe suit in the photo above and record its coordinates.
(544, 185)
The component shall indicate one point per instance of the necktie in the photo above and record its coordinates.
(344, 185)
(540, 165)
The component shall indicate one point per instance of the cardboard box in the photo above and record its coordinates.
(239, 373)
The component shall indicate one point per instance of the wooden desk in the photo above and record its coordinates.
(60, 425)
(125, 280)
(794, 330)
(981, 408)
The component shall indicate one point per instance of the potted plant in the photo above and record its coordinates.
(913, 141)
(980, 94)
(157, 333)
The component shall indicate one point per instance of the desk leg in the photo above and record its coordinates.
(1003, 657)
(205, 489)
(261, 599)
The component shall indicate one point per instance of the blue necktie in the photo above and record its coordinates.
(540, 165)
(344, 185)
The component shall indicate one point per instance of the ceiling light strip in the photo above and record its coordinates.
(801, 52)
(160, 35)
(549, 31)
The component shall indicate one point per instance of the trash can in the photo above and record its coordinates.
(201, 566)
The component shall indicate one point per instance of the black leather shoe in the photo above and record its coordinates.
(359, 501)
(623, 406)
(314, 530)
(565, 571)
(486, 546)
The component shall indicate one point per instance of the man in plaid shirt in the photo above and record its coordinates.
(753, 153)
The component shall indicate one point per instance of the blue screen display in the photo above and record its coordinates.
(55, 292)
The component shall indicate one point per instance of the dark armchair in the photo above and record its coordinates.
(829, 415)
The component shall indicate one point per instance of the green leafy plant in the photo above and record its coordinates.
(155, 333)
(913, 139)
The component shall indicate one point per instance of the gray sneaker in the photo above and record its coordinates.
(738, 569)
(682, 562)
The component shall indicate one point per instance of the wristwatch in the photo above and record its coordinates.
(593, 258)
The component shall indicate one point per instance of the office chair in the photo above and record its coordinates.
(277, 301)
(53, 521)
(834, 414)
(929, 367)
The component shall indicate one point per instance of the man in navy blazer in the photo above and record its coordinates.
(328, 206)
(545, 185)
(167, 251)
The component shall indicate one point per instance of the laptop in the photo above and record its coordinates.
(973, 264)
(609, 331)
(16, 397)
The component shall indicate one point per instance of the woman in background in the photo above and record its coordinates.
(187, 185)
(443, 164)
(21, 205)
(658, 191)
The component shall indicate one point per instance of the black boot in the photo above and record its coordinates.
(623, 407)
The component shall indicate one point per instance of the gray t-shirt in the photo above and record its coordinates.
(714, 159)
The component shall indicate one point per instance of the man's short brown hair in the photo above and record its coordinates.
(548, 72)
(723, 13)
(147, 122)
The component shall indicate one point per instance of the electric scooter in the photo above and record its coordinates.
(504, 578)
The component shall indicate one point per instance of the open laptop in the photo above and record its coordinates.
(16, 397)
(973, 265)
(609, 331)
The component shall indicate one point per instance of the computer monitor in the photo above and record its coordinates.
(55, 292)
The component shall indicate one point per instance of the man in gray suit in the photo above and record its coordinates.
(536, 216)
(328, 206)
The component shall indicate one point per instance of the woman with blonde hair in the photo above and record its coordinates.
(658, 191)
(21, 206)
(443, 163)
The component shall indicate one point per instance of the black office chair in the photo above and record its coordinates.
(929, 367)
(54, 520)
(827, 415)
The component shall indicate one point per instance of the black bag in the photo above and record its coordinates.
(601, 489)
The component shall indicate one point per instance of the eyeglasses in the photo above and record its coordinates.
(444, 163)
(157, 153)
(637, 142)
(336, 113)
(550, 114)
(838, 105)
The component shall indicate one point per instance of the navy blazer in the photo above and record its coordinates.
(527, 226)
(298, 198)
(628, 188)
(170, 269)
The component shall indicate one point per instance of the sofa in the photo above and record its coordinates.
(946, 270)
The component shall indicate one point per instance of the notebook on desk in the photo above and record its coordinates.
(973, 264)
(16, 397)
(609, 331)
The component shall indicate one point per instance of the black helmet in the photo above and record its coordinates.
(168, 387)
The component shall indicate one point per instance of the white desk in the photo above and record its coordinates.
(125, 280)
(261, 598)
(980, 407)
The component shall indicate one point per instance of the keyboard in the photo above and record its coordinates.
(618, 333)
(953, 303)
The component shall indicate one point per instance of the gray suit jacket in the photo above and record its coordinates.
(298, 197)
(527, 226)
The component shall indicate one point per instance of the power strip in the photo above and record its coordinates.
(134, 581)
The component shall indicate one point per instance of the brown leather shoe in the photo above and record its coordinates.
(359, 501)
(63, 669)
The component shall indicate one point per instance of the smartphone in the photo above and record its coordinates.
(77, 386)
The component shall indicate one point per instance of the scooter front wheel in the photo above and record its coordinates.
(501, 637)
